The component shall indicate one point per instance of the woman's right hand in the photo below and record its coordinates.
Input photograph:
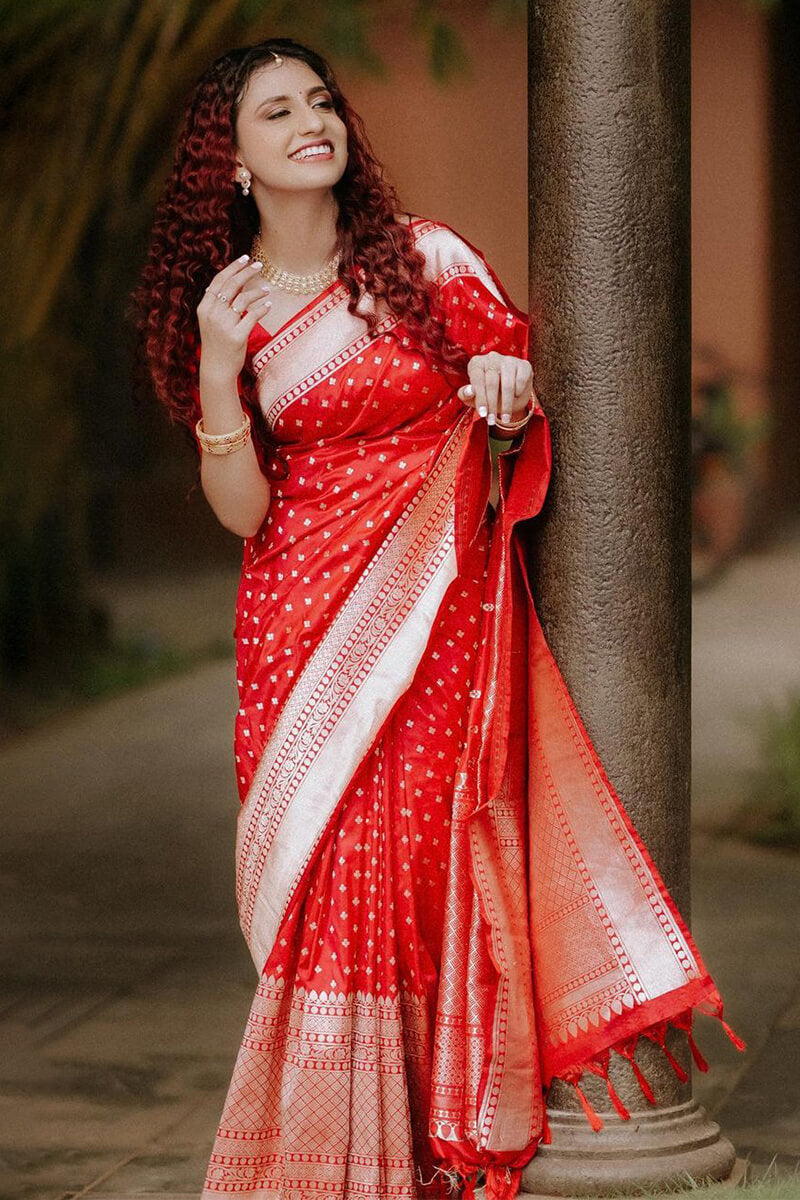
(231, 305)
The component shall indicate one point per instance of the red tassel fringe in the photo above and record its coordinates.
(502, 1183)
(626, 1048)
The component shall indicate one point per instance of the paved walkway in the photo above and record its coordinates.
(127, 982)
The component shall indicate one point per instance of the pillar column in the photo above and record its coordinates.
(611, 344)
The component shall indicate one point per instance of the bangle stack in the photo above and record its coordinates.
(223, 443)
(504, 429)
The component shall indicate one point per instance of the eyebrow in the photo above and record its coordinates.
(312, 91)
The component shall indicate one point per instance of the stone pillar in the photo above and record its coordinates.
(611, 344)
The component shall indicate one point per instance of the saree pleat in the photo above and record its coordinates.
(445, 900)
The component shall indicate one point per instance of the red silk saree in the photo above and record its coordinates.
(446, 903)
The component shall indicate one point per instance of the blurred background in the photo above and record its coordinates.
(126, 982)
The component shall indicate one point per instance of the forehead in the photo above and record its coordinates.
(292, 78)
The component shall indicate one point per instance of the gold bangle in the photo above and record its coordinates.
(514, 426)
(223, 443)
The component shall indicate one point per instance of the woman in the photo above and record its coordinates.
(405, 745)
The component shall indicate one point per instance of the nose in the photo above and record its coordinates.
(312, 119)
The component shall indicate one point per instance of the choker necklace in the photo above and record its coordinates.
(301, 284)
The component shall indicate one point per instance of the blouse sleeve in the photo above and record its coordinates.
(481, 316)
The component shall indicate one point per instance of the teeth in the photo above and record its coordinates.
(326, 149)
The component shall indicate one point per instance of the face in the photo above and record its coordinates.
(285, 108)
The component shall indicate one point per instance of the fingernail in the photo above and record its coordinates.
(490, 420)
(505, 418)
(243, 258)
(469, 390)
(482, 412)
(255, 263)
(265, 287)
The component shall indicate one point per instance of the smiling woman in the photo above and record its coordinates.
(445, 901)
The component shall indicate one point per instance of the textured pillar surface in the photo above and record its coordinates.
(611, 343)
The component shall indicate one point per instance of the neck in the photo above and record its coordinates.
(298, 229)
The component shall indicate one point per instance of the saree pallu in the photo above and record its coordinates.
(445, 900)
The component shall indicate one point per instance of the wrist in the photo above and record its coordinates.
(218, 378)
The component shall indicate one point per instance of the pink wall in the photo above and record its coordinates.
(730, 189)
(458, 152)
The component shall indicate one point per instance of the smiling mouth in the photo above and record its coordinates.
(324, 150)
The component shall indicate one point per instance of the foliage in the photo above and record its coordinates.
(772, 814)
(92, 96)
(718, 429)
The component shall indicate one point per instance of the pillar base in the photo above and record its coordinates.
(657, 1149)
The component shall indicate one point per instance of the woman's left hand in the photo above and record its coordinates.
(499, 386)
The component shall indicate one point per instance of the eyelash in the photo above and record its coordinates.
(282, 111)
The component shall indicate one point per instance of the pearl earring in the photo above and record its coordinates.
(244, 180)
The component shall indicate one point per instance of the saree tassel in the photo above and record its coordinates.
(684, 1021)
(657, 1033)
(626, 1049)
(469, 1178)
(591, 1115)
(737, 1041)
(452, 1175)
(615, 1100)
(700, 1062)
(676, 1066)
(502, 1183)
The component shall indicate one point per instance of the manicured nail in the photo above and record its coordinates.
(469, 390)
(243, 258)
(256, 263)
(490, 420)
(505, 418)
(482, 412)
(265, 287)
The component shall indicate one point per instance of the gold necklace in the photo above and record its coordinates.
(302, 285)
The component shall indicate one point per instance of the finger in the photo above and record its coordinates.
(491, 393)
(477, 374)
(253, 289)
(258, 308)
(466, 393)
(508, 380)
(230, 278)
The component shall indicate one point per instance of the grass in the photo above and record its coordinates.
(767, 1187)
(771, 816)
(120, 666)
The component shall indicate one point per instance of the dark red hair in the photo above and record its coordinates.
(203, 222)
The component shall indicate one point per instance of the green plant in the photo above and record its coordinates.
(771, 815)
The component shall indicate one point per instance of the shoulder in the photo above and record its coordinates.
(448, 254)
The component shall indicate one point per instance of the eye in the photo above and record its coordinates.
(283, 111)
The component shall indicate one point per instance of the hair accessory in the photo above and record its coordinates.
(223, 443)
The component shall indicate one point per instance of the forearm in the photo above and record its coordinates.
(233, 483)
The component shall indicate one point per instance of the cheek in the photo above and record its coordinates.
(258, 139)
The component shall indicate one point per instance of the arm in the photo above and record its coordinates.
(232, 483)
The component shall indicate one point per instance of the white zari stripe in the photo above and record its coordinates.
(365, 662)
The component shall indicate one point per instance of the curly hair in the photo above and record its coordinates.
(203, 222)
